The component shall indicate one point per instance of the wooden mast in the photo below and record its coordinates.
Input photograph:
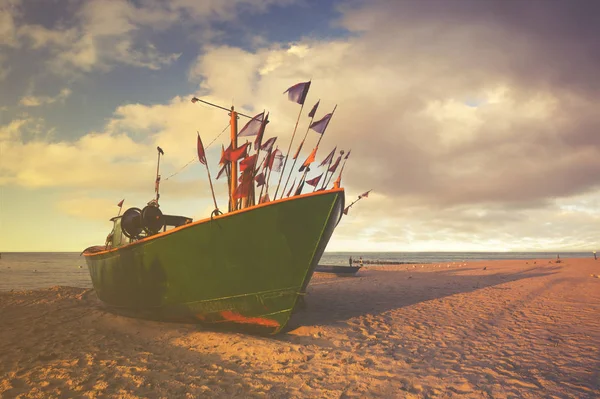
(234, 174)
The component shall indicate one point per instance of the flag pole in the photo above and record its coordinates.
(296, 159)
(343, 166)
(267, 176)
(233, 176)
(331, 175)
(320, 138)
(157, 182)
(326, 172)
(212, 190)
(355, 201)
(261, 132)
(289, 148)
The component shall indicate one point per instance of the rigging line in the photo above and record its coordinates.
(196, 158)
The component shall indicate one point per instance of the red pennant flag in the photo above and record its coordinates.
(194, 100)
(223, 169)
(223, 155)
(270, 159)
(248, 162)
(348, 154)
(314, 181)
(260, 179)
(346, 210)
(298, 152)
(312, 112)
(235, 155)
(297, 93)
(310, 159)
(291, 188)
(120, 204)
(328, 158)
(335, 165)
(246, 183)
(366, 195)
(253, 126)
(201, 154)
(268, 145)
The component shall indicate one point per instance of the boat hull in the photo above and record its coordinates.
(342, 271)
(244, 268)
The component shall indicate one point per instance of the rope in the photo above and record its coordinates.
(196, 158)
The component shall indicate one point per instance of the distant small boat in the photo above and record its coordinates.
(343, 271)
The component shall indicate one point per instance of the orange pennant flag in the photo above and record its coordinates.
(310, 159)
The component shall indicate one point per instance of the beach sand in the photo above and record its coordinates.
(516, 329)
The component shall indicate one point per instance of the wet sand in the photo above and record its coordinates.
(516, 329)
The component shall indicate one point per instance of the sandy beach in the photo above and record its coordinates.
(490, 329)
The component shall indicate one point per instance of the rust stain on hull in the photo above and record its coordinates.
(238, 318)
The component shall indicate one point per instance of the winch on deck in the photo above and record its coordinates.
(137, 223)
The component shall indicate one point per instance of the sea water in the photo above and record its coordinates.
(33, 270)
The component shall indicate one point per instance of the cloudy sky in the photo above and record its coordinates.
(474, 122)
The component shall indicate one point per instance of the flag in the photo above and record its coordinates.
(320, 125)
(277, 161)
(234, 155)
(120, 204)
(268, 145)
(246, 182)
(366, 195)
(346, 210)
(223, 169)
(248, 162)
(298, 152)
(201, 154)
(194, 100)
(310, 159)
(291, 188)
(314, 181)
(338, 181)
(311, 114)
(261, 132)
(297, 93)
(223, 157)
(160, 150)
(264, 198)
(274, 160)
(328, 158)
(260, 179)
(253, 126)
(335, 165)
(348, 154)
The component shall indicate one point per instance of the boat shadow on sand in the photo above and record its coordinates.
(374, 291)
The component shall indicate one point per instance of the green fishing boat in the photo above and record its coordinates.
(248, 267)
(194, 272)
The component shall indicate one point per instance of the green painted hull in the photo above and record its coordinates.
(246, 268)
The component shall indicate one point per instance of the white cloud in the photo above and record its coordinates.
(105, 33)
(35, 101)
(8, 12)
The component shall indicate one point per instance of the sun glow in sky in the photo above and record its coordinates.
(475, 123)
